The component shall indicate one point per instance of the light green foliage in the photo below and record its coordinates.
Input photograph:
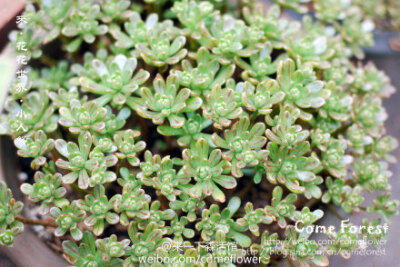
(260, 99)
(138, 31)
(157, 215)
(35, 147)
(253, 218)
(162, 49)
(154, 125)
(188, 205)
(208, 170)
(385, 207)
(83, 116)
(78, 162)
(206, 75)
(222, 107)
(303, 250)
(127, 148)
(335, 160)
(290, 167)
(115, 10)
(281, 208)
(193, 15)
(166, 180)
(343, 242)
(99, 208)
(230, 37)
(150, 242)
(93, 252)
(213, 220)
(178, 229)
(300, 88)
(53, 78)
(243, 145)
(190, 132)
(33, 114)
(47, 190)
(131, 204)
(117, 80)
(82, 24)
(267, 246)
(167, 101)
(9, 210)
(68, 218)
(306, 217)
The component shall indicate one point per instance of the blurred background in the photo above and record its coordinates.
(389, 62)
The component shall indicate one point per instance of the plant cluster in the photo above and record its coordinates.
(348, 17)
(163, 116)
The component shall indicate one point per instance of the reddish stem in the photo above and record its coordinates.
(48, 222)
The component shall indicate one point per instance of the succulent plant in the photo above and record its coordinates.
(300, 89)
(222, 108)
(207, 74)
(83, 116)
(230, 37)
(260, 67)
(117, 83)
(47, 190)
(253, 218)
(243, 145)
(281, 208)
(267, 247)
(295, 169)
(260, 99)
(374, 237)
(34, 147)
(33, 114)
(115, 10)
(82, 24)
(335, 191)
(110, 247)
(89, 252)
(166, 102)
(188, 205)
(212, 220)
(343, 242)
(99, 208)
(67, 218)
(131, 204)
(153, 126)
(283, 131)
(127, 149)
(190, 132)
(162, 49)
(78, 160)
(52, 79)
(382, 205)
(138, 31)
(208, 169)
(157, 215)
(335, 160)
(306, 217)
(179, 230)
(10, 227)
(191, 13)
(302, 250)
(145, 244)
(167, 181)
(352, 199)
